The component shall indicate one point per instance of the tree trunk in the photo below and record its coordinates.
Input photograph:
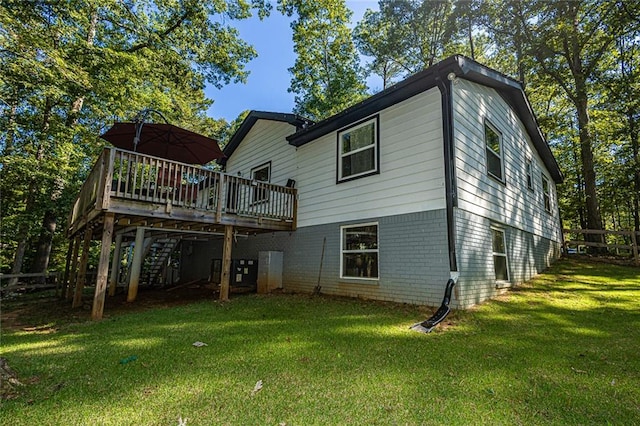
(43, 250)
(634, 135)
(594, 219)
(30, 198)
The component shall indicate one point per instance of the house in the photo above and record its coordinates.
(443, 175)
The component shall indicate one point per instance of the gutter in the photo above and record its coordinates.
(451, 191)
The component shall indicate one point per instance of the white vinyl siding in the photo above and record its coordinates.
(411, 177)
(510, 203)
(264, 143)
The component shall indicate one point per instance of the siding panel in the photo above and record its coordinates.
(510, 203)
(411, 175)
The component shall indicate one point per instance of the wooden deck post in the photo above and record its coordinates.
(115, 266)
(226, 263)
(136, 265)
(103, 267)
(82, 272)
(73, 271)
(62, 285)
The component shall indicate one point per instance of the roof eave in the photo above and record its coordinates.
(250, 120)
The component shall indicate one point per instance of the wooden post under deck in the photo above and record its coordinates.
(67, 267)
(226, 263)
(136, 265)
(73, 271)
(103, 267)
(115, 266)
(82, 272)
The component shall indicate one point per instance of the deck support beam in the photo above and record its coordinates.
(226, 263)
(82, 272)
(73, 270)
(115, 265)
(136, 265)
(103, 267)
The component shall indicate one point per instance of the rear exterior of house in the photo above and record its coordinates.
(443, 175)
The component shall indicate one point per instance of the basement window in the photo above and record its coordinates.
(493, 143)
(359, 251)
(358, 150)
(500, 263)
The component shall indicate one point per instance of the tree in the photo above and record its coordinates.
(326, 77)
(371, 36)
(569, 42)
(67, 69)
(406, 36)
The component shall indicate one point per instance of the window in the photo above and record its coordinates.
(530, 174)
(358, 150)
(499, 255)
(359, 251)
(546, 194)
(493, 141)
(259, 174)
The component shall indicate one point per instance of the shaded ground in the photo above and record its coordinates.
(43, 310)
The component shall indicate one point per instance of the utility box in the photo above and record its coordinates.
(269, 271)
(243, 273)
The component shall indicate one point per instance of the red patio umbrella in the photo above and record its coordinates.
(164, 140)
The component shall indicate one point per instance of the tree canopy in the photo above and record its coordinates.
(326, 77)
(68, 69)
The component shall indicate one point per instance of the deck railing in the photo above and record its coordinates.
(126, 175)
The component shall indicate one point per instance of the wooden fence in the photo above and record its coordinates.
(616, 240)
(31, 281)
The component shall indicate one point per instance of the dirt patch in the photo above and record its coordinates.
(43, 312)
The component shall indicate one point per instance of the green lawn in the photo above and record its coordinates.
(563, 349)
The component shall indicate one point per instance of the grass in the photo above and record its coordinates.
(562, 349)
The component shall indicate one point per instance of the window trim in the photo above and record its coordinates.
(493, 128)
(256, 190)
(546, 195)
(505, 254)
(376, 147)
(343, 228)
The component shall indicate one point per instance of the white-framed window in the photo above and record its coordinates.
(259, 174)
(493, 148)
(529, 171)
(359, 251)
(546, 193)
(500, 262)
(358, 150)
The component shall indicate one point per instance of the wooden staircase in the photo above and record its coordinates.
(160, 253)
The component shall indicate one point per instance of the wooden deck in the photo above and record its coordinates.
(141, 190)
(128, 193)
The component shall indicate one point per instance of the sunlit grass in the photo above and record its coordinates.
(562, 349)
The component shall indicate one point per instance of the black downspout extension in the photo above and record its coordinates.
(449, 166)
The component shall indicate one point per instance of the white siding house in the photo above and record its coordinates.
(445, 174)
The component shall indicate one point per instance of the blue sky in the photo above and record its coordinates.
(267, 84)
